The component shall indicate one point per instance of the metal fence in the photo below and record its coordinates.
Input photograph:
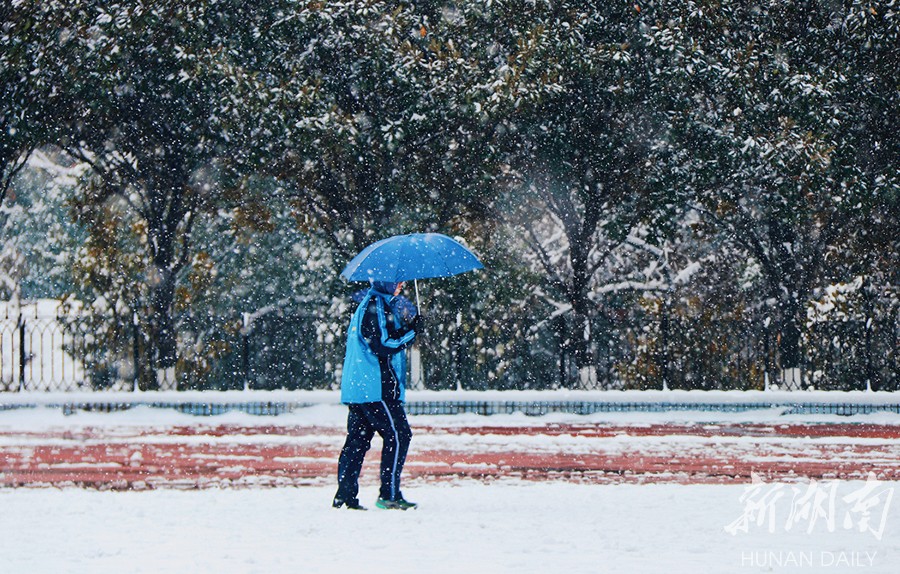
(702, 354)
(42, 349)
(37, 353)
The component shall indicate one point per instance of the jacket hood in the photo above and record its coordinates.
(385, 287)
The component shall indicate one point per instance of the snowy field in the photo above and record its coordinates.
(464, 525)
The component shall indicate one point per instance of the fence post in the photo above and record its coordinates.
(766, 361)
(665, 347)
(245, 350)
(868, 324)
(23, 358)
(415, 368)
(136, 353)
(559, 329)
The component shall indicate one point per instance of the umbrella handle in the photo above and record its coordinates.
(418, 305)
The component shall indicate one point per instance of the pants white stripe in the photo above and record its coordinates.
(396, 451)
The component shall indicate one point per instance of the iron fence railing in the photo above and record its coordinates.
(37, 353)
(44, 349)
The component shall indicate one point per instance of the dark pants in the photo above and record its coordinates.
(388, 419)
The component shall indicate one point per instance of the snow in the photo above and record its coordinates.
(463, 527)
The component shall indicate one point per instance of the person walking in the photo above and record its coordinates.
(373, 386)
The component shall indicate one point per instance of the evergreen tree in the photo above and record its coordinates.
(147, 85)
(570, 92)
(781, 145)
(32, 98)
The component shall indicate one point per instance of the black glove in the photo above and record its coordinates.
(417, 324)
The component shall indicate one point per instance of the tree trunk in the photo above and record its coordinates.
(169, 228)
(163, 336)
(580, 337)
(789, 351)
(791, 273)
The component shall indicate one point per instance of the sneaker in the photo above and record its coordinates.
(398, 504)
(350, 504)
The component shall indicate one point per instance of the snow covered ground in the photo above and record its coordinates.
(463, 525)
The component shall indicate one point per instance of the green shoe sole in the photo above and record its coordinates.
(395, 504)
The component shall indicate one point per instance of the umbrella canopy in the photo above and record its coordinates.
(408, 257)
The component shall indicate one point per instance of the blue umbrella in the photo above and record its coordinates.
(410, 257)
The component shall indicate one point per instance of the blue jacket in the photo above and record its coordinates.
(363, 376)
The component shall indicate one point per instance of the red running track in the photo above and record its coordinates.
(203, 456)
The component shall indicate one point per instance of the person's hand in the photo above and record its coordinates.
(417, 324)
